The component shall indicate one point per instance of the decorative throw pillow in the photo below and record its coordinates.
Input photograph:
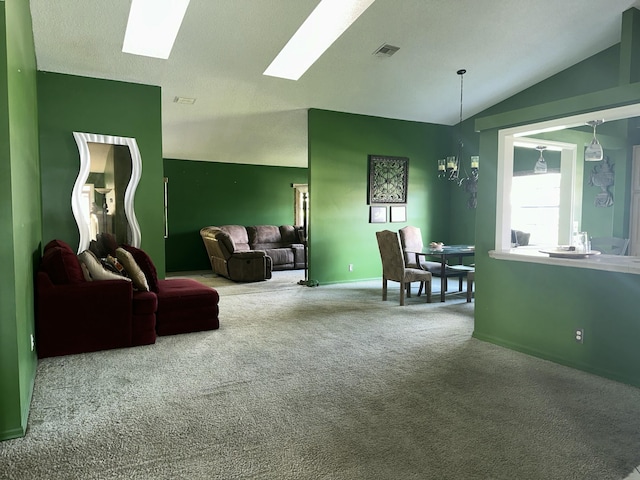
(113, 264)
(107, 243)
(133, 270)
(97, 249)
(85, 272)
(146, 265)
(56, 243)
(96, 270)
(62, 265)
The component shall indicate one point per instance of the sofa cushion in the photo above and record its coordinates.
(238, 234)
(97, 270)
(185, 305)
(264, 235)
(146, 265)
(281, 256)
(62, 265)
(133, 270)
(289, 234)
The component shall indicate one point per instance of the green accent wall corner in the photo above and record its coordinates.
(340, 233)
(20, 215)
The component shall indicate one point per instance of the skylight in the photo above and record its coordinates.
(153, 26)
(327, 22)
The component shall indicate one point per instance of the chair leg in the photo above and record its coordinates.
(470, 278)
(408, 289)
(402, 287)
(384, 288)
(427, 288)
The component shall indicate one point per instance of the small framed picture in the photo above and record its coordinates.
(378, 215)
(399, 213)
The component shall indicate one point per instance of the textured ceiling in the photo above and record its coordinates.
(241, 116)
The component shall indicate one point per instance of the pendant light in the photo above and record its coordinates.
(594, 152)
(541, 164)
(450, 166)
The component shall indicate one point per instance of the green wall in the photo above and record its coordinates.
(20, 215)
(596, 73)
(209, 193)
(339, 231)
(535, 308)
(70, 103)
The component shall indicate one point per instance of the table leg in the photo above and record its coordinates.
(443, 277)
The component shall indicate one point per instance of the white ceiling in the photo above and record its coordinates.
(242, 116)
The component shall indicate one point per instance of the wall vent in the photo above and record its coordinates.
(386, 50)
(184, 100)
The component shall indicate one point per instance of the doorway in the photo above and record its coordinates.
(300, 191)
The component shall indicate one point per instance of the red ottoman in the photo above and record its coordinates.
(185, 305)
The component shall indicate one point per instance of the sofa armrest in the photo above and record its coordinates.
(298, 255)
(249, 254)
(82, 317)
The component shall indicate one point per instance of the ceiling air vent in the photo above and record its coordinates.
(184, 100)
(386, 50)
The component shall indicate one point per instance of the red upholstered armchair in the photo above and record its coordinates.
(74, 315)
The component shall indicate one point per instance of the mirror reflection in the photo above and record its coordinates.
(102, 200)
(103, 192)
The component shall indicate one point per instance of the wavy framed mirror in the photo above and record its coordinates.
(103, 194)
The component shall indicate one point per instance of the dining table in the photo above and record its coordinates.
(445, 255)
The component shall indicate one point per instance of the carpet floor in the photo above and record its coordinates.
(324, 383)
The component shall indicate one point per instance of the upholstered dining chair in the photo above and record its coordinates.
(411, 241)
(610, 245)
(394, 269)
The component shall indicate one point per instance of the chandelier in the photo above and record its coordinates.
(451, 166)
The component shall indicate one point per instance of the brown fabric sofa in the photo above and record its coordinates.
(249, 254)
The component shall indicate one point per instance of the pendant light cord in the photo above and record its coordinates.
(461, 73)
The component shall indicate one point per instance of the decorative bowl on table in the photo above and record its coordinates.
(436, 245)
(565, 251)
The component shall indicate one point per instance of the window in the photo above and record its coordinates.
(535, 207)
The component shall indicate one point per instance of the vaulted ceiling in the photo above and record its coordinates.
(242, 116)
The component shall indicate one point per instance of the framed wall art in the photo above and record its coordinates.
(398, 213)
(378, 215)
(388, 179)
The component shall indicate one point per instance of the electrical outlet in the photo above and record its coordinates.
(33, 343)
(351, 267)
(579, 335)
